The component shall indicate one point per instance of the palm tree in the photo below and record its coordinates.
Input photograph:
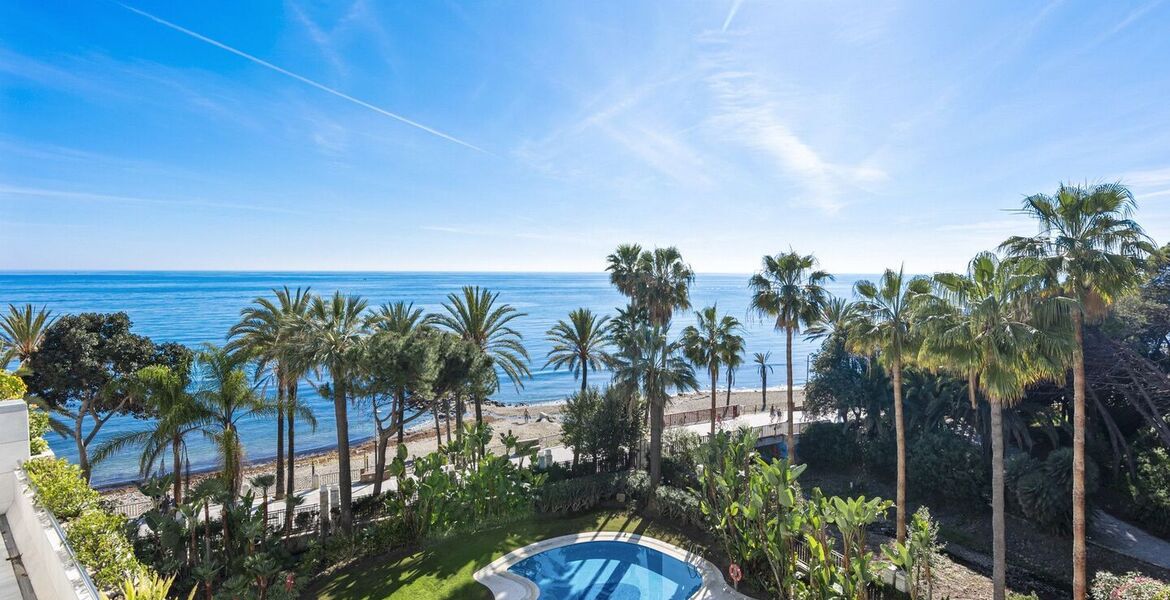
(981, 329)
(1090, 252)
(651, 364)
(21, 332)
(178, 415)
(763, 368)
(790, 289)
(475, 317)
(836, 317)
(885, 313)
(579, 344)
(265, 333)
(706, 344)
(330, 337)
(225, 398)
(656, 281)
(399, 318)
(732, 359)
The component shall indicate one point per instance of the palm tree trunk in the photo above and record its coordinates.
(657, 409)
(972, 381)
(478, 409)
(438, 430)
(280, 409)
(999, 543)
(177, 471)
(447, 418)
(900, 433)
(381, 442)
(459, 416)
(289, 481)
(400, 414)
(791, 435)
(727, 402)
(764, 389)
(1078, 491)
(584, 376)
(345, 482)
(714, 380)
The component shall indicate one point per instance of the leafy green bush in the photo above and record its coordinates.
(99, 540)
(11, 386)
(1149, 490)
(1131, 586)
(38, 426)
(1019, 596)
(828, 445)
(879, 454)
(583, 493)
(680, 450)
(942, 464)
(1044, 495)
(61, 489)
(678, 504)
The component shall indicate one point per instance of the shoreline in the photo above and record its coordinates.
(420, 438)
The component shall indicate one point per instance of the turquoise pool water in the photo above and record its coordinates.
(609, 571)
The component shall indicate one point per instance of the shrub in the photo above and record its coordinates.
(583, 493)
(942, 464)
(1150, 490)
(1131, 586)
(680, 458)
(38, 426)
(828, 445)
(11, 386)
(880, 454)
(1019, 596)
(61, 489)
(1014, 469)
(680, 505)
(99, 540)
(1045, 494)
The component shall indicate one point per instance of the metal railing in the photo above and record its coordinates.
(703, 415)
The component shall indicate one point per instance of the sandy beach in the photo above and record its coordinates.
(420, 437)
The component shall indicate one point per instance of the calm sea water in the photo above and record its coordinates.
(197, 307)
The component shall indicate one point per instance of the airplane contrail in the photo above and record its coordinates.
(300, 78)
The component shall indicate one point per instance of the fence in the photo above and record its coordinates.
(702, 415)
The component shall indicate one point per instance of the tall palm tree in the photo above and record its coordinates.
(399, 318)
(732, 359)
(885, 314)
(579, 344)
(1090, 252)
(265, 332)
(226, 397)
(789, 288)
(178, 415)
(760, 359)
(330, 338)
(706, 344)
(982, 330)
(21, 332)
(474, 316)
(651, 364)
(657, 281)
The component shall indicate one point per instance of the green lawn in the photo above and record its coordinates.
(444, 570)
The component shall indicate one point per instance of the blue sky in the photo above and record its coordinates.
(368, 135)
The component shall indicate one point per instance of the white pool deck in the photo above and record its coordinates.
(506, 585)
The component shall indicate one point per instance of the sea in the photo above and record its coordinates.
(194, 308)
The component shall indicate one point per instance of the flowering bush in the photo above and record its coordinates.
(11, 386)
(1131, 586)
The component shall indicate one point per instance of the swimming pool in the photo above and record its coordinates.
(604, 565)
(609, 570)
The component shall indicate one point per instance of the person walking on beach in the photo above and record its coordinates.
(526, 416)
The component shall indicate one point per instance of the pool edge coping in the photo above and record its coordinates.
(506, 585)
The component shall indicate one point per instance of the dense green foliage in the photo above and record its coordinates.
(1044, 493)
(1131, 586)
(829, 445)
(597, 425)
(61, 489)
(583, 493)
(11, 386)
(947, 466)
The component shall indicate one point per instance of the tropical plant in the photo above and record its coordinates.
(265, 332)
(652, 365)
(225, 397)
(330, 338)
(474, 316)
(709, 343)
(732, 359)
(1090, 252)
(919, 556)
(837, 315)
(789, 289)
(981, 330)
(596, 424)
(579, 344)
(164, 391)
(885, 314)
(760, 359)
(656, 281)
(21, 332)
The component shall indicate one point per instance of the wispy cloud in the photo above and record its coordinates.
(1148, 184)
(14, 191)
(302, 79)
